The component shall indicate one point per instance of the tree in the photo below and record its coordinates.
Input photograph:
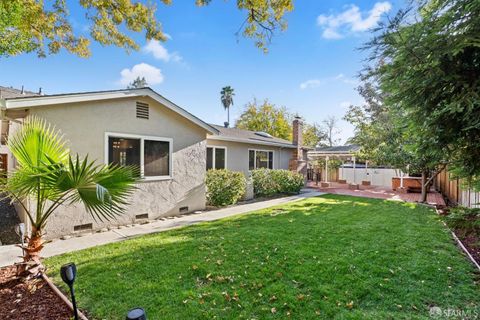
(138, 83)
(49, 177)
(313, 135)
(32, 26)
(331, 130)
(266, 117)
(226, 96)
(386, 138)
(428, 61)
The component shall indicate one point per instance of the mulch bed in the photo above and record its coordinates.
(29, 299)
(472, 243)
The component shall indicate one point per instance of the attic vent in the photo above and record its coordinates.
(263, 134)
(142, 110)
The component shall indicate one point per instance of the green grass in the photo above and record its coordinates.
(331, 257)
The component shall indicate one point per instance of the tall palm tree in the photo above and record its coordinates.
(47, 177)
(226, 96)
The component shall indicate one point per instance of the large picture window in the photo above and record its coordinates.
(216, 158)
(260, 159)
(152, 155)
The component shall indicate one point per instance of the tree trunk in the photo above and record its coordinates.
(34, 246)
(424, 187)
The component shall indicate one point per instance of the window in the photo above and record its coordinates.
(152, 155)
(216, 158)
(156, 154)
(260, 159)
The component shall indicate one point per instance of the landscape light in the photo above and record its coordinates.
(20, 230)
(69, 273)
(136, 314)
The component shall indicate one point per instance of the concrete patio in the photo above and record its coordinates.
(433, 197)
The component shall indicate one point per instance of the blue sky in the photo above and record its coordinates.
(310, 69)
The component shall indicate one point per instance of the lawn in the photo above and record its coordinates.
(330, 257)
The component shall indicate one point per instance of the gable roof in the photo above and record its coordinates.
(247, 136)
(23, 102)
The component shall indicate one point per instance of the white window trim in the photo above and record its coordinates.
(142, 152)
(255, 157)
(213, 155)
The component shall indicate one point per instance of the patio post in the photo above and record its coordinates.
(326, 168)
(354, 166)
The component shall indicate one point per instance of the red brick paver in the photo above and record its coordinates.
(433, 197)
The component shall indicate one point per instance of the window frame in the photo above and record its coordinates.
(142, 139)
(255, 158)
(213, 156)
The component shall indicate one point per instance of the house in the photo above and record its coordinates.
(172, 147)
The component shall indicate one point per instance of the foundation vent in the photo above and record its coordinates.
(143, 111)
(83, 227)
(183, 209)
(141, 216)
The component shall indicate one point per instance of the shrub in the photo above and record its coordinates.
(224, 187)
(464, 221)
(270, 182)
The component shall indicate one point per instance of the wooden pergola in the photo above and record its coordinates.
(342, 153)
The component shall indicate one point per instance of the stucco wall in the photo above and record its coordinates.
(84, 126)
(237, 154)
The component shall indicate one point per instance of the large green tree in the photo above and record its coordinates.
(48, 177)
(387, 137)
(266, 117)
(428, 60)
(45, 28)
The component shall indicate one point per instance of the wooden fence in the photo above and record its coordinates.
(454, 190)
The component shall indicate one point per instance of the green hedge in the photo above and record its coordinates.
(270, 182)
(224, 187)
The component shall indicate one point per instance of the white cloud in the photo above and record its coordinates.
(160, 52)
(351, 20)
(315, 83)
(312, 83)
(152, 74)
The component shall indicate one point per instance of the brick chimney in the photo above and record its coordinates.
(297, 135)
(297, 162)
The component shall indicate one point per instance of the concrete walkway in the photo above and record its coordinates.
(11, 254)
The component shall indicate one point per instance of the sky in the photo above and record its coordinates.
(311, 68)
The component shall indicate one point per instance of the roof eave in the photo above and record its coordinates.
(31, 102)
(260, 142)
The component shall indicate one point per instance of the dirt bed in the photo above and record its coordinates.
(29, 300)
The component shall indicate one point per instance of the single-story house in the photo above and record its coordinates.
(172, 147)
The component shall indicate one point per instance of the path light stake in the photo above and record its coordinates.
(136, 314)
(20, 230)
(69, 272)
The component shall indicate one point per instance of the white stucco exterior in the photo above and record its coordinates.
(85, 124)
(237, 154)
(86, 120)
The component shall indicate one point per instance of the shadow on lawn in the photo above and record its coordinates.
(330, 257)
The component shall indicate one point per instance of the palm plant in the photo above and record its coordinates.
(47, 177)
(226, 96)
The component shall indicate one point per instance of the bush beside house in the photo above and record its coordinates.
(270, 182)
(224, 187)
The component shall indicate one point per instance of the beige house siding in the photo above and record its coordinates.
(84, 125)
(237, 154)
